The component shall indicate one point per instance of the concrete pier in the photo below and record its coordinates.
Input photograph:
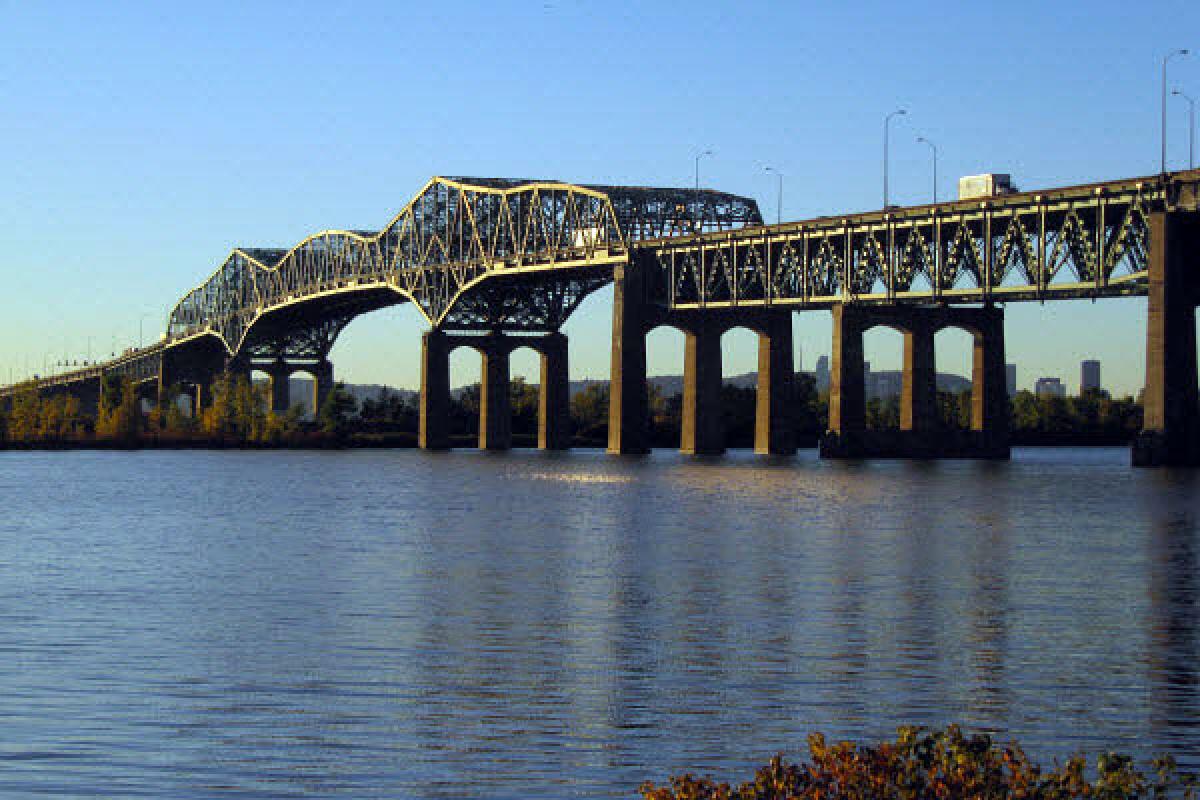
(920, 435)
(774, 429)
(627, 399)
(918, 394)
(495, 406)
(554, 394)
(280, 375)
(1169, 428)
(434, 426)
(702, 432)
(322, 375)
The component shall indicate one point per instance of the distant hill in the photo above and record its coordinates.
(881, 383)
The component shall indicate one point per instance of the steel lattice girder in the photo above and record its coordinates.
(1077, 242)
(454, 236)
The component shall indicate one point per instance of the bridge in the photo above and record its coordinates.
(496, 264)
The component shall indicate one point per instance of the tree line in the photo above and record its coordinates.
(238, 413)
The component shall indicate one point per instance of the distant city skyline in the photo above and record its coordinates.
(1049, 386)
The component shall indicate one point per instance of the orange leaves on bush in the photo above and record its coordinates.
(948, 765)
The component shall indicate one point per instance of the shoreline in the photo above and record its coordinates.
(409, 442)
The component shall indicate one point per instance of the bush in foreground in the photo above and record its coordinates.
(924, 765)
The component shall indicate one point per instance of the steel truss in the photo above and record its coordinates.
(1086, 241)
(448, 245)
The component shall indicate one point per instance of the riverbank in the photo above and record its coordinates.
(400, 440)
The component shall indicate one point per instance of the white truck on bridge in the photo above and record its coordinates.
(990, 184)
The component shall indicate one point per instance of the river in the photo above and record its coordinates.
(530, 625)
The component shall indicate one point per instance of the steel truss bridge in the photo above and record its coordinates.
(497, 257)
(1070, 243)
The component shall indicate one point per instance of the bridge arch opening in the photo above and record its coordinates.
(263, 384)
(883, 376)
(739, 385)
(665, 346)
(813, 335)
(589, 343)
(524, 387)
(466, 371)
(953, 358)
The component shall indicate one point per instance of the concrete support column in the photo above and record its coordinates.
(918, 396)
(554, 395)
(434, 431)
(774, 431)
(280, 387)
(201, 398)
(847, 390)
(989, 392)
(627, 402)
(495, 407)
(322, 384)
(163, 388)
(88, 393)
(703, 432)
(1169, 429)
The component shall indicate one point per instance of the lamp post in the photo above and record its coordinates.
(1191, 127)
(1166, 58)
(697, 171)
(141, 319)
(886, 125)
(932, 147)
(779, 197)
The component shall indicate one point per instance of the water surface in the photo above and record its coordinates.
(402, 624)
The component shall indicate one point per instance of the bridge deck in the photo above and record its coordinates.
(473, 267)
(1071, 242)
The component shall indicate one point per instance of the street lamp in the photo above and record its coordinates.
(779, 198)
(886, 124)
(932, 147)
(1166, 58)
(698, 157)
(142, 319)
(1191, 127)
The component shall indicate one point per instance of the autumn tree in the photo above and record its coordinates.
(120, 416)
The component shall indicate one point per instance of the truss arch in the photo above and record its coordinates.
(449, 244)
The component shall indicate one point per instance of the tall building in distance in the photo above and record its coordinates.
(1049, 386)
(1089, 375)
(1010, 379)
(822, 373)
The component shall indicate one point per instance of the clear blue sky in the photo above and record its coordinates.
(142, 141)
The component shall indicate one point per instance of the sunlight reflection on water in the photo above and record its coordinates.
(548, 625)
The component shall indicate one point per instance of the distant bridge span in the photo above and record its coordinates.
(482, 259)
